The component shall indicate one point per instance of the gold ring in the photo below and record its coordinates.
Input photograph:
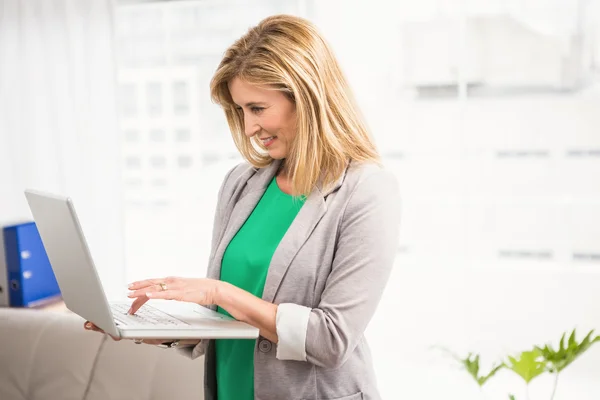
(163, 286)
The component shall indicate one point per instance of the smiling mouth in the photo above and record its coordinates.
(268, 140)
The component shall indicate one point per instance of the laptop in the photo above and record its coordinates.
(82, 291)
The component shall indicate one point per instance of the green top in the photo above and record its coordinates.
(245, 264)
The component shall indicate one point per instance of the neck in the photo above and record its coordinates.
(283, 170)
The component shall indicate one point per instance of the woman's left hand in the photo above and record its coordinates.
(193, 290)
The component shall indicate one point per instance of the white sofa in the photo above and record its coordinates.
(48, 355)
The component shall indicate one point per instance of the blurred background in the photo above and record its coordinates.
(488, 112)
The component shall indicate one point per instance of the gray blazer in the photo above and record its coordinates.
(327, 276)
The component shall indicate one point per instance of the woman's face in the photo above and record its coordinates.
(268, 114)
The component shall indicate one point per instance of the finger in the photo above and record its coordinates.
(143, 284)
(154, 342)
(166, 295)
(164, 285)
(142, 292)
(150, 282)
(91, 327)
(137, 303)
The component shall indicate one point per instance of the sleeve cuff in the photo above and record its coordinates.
(292, 323)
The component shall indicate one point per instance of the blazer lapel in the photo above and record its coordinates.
(239, 211)
(298, 233)
(241, 205)
(309, 215)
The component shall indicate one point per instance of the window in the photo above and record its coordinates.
(181, 98)
(133, 162)
(128, 100)
(131, 135)
(167, 53)
(182, 135)
(157, 135)
(158, 161)
(184, 161)
(154, 98)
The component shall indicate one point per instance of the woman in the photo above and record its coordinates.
(305, 233)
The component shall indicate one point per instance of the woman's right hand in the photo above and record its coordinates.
(91, 327)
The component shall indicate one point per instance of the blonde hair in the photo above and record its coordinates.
(287, 53)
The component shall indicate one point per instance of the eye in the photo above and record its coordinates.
(256, 110)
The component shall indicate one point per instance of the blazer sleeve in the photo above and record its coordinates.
(367, 244)
(198, 350)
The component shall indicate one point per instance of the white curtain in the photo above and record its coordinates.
(58, 123)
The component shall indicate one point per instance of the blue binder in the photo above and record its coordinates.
(31, 280)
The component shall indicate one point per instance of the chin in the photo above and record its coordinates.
(277, 155)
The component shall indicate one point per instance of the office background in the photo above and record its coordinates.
(487, 111)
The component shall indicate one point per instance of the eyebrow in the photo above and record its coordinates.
(252, 103)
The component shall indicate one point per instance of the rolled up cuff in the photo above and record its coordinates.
(292, 324)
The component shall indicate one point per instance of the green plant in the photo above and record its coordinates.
(531, 363)
(528, 365)
(471, 365)
(558, 360)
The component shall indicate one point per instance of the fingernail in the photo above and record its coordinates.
(88, 325)
(149, 294)
(130, 286)
(130, 293)
(129, 312)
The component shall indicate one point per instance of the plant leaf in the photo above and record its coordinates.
(471, 364)
(484, 378)
(562, 357)
(511, 397)
(572, 338)
(528, 364)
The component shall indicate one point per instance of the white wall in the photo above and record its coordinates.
(58, 118)
(499, 245)
(499, 241)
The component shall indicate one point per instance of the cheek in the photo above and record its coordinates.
(284, 126)
(280, 126)
(289, 127)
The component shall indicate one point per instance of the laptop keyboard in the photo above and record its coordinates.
(146, 315)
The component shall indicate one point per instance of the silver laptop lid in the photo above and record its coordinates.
(69, 255)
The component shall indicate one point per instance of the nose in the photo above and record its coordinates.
(251, 127)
